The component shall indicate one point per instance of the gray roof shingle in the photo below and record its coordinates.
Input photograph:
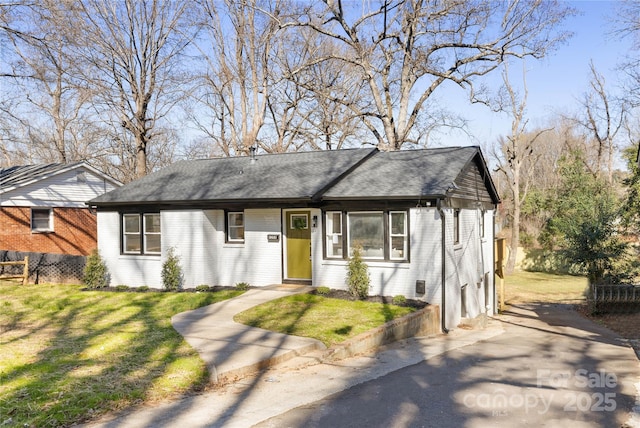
(404, 174)
(303, 176)
(287, 176)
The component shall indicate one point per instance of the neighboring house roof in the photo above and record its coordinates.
(304, 176)
(17, 176)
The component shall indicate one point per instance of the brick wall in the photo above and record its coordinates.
(74, 231)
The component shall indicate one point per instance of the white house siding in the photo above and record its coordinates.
(391, 278)
(198, 238)
(466, 265)
(256, 261)
(60, 190)
(130, 270)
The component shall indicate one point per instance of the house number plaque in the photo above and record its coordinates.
(273, 238)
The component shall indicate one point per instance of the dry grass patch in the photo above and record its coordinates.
(329, 320)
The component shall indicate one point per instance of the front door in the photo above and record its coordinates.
(298, 244)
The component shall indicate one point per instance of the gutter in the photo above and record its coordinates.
(443, 299)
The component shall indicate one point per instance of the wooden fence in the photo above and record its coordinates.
(25, 271)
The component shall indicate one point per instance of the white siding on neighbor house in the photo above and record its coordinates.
(126, 269)
(394, 278)
(60, 190)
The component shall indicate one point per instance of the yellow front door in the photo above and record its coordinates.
(298, 224)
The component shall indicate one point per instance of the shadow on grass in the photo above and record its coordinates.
(75, 354)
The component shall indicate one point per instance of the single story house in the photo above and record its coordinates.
(43, 209)
(424, 220)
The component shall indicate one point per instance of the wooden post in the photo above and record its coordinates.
(25, 272)
(500, 256)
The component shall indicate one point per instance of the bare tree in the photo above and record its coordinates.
(516, 160)
(238, 80)
(603, 117)
(627, 24)
(131, 51)
(406, 49)
(54, 107)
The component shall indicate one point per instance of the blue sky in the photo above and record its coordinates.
(555, 82)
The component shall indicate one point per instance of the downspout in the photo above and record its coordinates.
(443, 299)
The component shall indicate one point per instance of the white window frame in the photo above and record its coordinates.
(146, 233)
(49, 227)
(404, 234)
(231, 226)
(125, 233)
(141, 234)
(332, 236)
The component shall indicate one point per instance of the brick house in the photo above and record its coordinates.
(42, 207)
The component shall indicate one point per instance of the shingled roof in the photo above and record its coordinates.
(299, 177)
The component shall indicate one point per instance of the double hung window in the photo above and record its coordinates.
(141, 233)
(235, 227)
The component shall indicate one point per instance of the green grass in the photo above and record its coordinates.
(329, 320)
(68, 355)
(525, 286)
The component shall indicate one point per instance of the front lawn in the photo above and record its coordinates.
(329, 320)
(67, 355)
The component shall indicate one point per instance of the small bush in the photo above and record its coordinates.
(323, 291)
(143, 288)
(243, 286)
(171, 271)
(122, 287)
(399, 300)
(95, 273)
(202, 288)
(358, 279)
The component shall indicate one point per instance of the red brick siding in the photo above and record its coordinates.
(75, 231)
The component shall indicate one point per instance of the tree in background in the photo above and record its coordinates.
(404, 50)
(130, 52)
(586, 223)
(602, 117)
(517, 158)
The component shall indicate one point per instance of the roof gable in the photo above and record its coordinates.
(22, 175)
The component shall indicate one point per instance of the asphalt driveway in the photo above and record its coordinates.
(538, 365)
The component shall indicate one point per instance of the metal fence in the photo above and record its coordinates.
(616, 298)
(45, 267)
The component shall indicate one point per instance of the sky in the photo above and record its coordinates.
(554, 83)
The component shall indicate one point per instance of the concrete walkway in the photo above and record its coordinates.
(233, 350)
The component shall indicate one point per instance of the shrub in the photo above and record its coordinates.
(358, 279)
(323, 291)
(122, 287)
(202, 288)
(399, 300)
(171, 271)
(95, 273)
(143, 288)
(243, 286)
